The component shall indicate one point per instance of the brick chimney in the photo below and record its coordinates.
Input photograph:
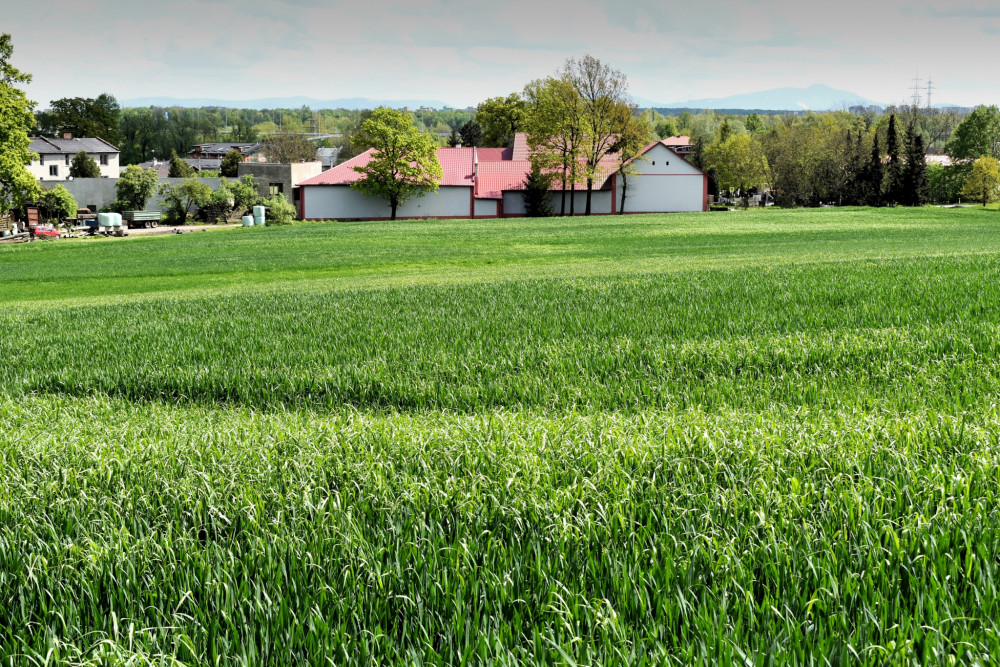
(67, 135)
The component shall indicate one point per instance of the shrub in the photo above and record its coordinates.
(134, 188)
(245, 194)
(219, 206)
(56, 203)
(179, 167)
(536, 193)
(280, 211)
(84, 166)
(230, 163)
(181, 199)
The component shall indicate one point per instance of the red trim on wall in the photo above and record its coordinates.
(302, 202)
(472, 202)
(704, 194)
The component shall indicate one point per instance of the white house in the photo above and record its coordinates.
(56, 155)
(489, 183)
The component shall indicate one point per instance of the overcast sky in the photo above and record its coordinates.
(461, 52)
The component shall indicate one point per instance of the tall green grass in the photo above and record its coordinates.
(900, 333)
(757, 439)
(229, 536)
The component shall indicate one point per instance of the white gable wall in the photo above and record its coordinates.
(664, 183)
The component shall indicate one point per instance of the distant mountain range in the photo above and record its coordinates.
(817, 98)
(280, 103)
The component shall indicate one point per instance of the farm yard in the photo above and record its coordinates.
(749, 438)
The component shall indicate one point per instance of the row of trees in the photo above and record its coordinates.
(847, 158)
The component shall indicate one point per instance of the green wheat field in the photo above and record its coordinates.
(754, 438)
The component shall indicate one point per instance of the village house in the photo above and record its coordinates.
(489, 183)
(54, 156)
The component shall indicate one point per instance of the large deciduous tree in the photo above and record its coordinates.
(288, 148)
(983, 181)
(404, 162)
(554, 129)
(977, 135)
(17, 185)
(606, 110)
(134, 188)
(500, 119)
(82, 117)
(739, 162)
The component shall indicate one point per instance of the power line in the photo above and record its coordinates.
(930, 87)
(916, 91)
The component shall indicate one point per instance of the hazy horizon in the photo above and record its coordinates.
(461, 53)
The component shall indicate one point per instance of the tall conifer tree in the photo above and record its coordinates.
(893, 185)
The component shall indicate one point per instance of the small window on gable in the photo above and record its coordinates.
(53, 170)
(654, 163)
(104, 160)
(667, 163)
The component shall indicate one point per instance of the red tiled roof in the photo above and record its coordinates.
(497, 171)
(495, 177)
(456, 168)
(495, 154)
(343, 173)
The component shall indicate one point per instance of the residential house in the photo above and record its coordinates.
(489, 183)
(54, 156)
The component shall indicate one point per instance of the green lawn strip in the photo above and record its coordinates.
(406, 252)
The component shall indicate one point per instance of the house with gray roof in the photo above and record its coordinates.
(218, 149)
(54, 156)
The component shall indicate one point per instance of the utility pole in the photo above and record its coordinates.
(916, 92)
(930, 87)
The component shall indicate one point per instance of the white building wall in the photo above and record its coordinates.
(486, 208)
(111, 170)
(41, 171)
(665, 183)
(651, 193)
(600, 203)
(340, 202)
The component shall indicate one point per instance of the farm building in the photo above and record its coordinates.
(489, 183)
